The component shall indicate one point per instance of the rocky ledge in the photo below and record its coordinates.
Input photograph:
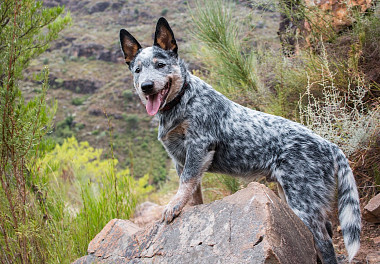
(250, 226)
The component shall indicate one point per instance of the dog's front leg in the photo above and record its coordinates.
(198, 159)
(197, 197)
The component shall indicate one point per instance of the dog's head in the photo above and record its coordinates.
(156, 70)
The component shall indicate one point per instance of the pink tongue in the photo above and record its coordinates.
(153, 104)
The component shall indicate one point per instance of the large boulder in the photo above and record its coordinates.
(250, 226)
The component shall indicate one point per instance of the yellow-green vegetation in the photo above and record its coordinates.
(91, 192)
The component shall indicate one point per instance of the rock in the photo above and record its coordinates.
(339, 13)
(147, 213)
(95, 111)
(337, 16)
(373, 258)
(81, 86)
(95, 51)
(372, 210)
(98, 7)
(250, 226)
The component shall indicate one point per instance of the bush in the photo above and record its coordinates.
(79, 100)
(232, 63)
(342, 118)
(128, 95)
(132, 121)
(26, 28)
(92, 190)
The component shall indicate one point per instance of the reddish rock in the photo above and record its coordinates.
(147, 213)
(337, 13)
(372, 210)
(250, 226)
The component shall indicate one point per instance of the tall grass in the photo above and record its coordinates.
(231, 63)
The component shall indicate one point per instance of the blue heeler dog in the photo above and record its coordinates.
(203, 131)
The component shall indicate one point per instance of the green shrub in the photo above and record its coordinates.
(164, 11)
(93, 191)
(232, 63)
(132, 121)
(128, 95)
(79, 100)
(26, 28)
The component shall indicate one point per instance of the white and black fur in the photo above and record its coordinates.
(203, 131)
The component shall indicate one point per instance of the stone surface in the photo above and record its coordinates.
(338, 13)
(335, 15)
(250, 226)
(372, 210)
(147, 213)
(373, 258)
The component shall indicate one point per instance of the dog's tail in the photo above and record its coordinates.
(348, 204)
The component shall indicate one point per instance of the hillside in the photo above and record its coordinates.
(88, 75)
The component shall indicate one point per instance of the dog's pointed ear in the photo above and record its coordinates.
(164, 37)
(129, 45)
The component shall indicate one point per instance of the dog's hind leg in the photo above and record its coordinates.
(309, 198)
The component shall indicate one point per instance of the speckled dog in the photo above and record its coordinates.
(202, 131)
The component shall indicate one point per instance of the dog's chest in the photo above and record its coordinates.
(174, 142)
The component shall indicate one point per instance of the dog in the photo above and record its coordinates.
(203, 131)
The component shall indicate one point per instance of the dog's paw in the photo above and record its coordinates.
(171, 212)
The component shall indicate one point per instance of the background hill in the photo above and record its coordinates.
(88, 77)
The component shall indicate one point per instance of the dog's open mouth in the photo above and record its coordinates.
(155, 101)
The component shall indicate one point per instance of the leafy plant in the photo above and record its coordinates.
(338, 117)
(93, 190)
(26, 28)
(79, 100)
(232, 64)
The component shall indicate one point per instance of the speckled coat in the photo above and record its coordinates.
(202, 130)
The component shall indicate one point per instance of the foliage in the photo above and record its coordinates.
(26, 28)
(232, 63)
(342, 119)
(79, 100)
(92, 190)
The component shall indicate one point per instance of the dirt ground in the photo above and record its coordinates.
(367, 242)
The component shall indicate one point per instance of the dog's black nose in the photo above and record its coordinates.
(147, 87)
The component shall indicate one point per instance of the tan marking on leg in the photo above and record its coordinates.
(186, 191)
(197, 196)
(175, 206)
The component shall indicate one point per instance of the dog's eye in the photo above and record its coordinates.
(161, 65)
(137, 70)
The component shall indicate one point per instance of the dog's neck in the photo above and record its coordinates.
(176, 99)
